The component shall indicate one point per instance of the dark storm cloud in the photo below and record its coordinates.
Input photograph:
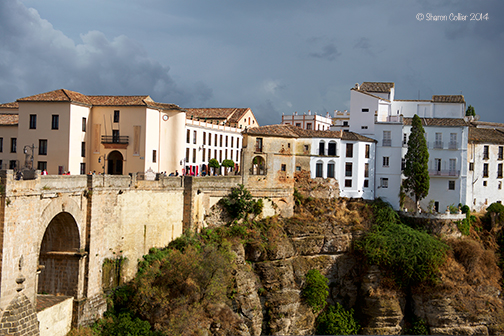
(36, 58)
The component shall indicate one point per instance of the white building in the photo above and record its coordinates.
(375, 113)
(308, 121)
(215, 133)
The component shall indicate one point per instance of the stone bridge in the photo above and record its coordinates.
(58, 233)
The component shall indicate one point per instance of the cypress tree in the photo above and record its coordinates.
(417, 159)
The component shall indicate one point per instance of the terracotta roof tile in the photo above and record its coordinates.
(118, 100)
(9, 119)
(232, 115)
(291, 131)
(449, 122)
(13, 105)
(380, 87)
(485, 135)
(448, 99)
(369, 94)
(61, 95)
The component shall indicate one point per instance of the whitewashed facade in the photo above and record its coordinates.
(308, 121)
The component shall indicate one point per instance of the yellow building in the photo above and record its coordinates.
(64, 131)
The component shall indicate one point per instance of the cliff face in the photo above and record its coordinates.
(270, 275)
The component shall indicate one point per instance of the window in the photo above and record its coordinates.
(55, 122)
(485, 169)
(330, 170)
(403, 164)
(499, 170)
(232, 142)
(366, 169)
(209, 154)
(365, 110)
(471, 166)
(115, 136)
(364, 127)
(215, 140)
(154, 156)
(345, 123)
(331, 151)
(387, 138)
(321, 148)
(220, 141)
(453, 141)
(438, 143)
(237, 142)
(298, 168)
(1, 145)
(84, 122)
(226, 140)
(83, 149)
(368, 150)
(82, 168)
(308, 126)
(188, 136)
(348, 183)
(499, 186)
(437, 164)
(349, 150)
(366, 183)
(500, 154)
(283, 167)
(451, 185)
(195, 137)
(13, 147)
(452, 166)
(204, 139)
(42, 147)
(386, 160)
(485, 153)
(194, 155)
(484, 183)
(204, 154)
(116, 116)
(209, 139)
(384, 182)
(187, 155)
(306, 148)
(259, 145)
(42, 165)
(12, 164)
(318, 169)
(348, 169)
(225, 154)
(220, 156)
(237, 155)
(288, 144)
(298, 124)
(405, 140)
(33, 121)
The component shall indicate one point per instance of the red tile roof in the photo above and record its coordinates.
(9, 119)
(63, 95)
(379, 87)
(13, 105)
(486, 135)
(448, 99)
(449, 122)
(290, 131)
(232, 115)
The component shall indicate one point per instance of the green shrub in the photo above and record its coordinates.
(497, 209)
(123, 324)
(239, 203)
(337, 321)
(418, 327)
(409, 255)
(465, 209)
(316, 290)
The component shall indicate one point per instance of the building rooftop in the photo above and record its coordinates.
(232, 115)
(13, 105)
(63, 95)
(379, 87)
(486, 135)
(9, 119)
(449, 122)
(290, 131)
(448, 99)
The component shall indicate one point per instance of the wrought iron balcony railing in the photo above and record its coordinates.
(110, 139)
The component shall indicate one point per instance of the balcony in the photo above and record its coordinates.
(444, 173)
(111, 139)
(452, 145)
(438, 144)
(387, 142)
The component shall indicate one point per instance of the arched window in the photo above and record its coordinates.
(258, 166)
(331, 151)
(321, 148)
(330, 169)
(319, 169)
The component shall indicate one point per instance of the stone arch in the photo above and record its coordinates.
(19, 318)
(258, 166)
(115, 163)
(60, 256)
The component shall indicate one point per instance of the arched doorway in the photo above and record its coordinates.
(115, 163)
(59, 256)
(258, 166)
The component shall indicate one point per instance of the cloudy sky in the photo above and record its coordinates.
(274, 56)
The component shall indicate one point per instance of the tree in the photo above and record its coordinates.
(213, 163)
(417, 159)
(227, 164)
(470, 111)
